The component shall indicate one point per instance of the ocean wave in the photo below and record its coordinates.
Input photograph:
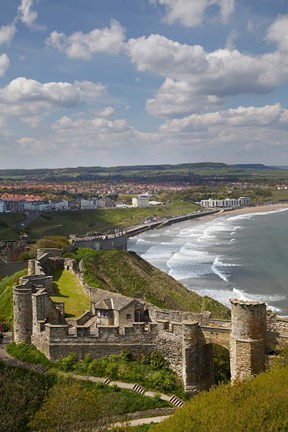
(221, 295)
(218, 263)
(189, 253)
(141, 240)
(218, 272)
(156, 252)
(250, 215)
(266, 298)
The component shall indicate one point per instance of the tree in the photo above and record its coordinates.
(70, 406)
(21, 394)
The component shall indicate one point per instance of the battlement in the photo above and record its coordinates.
(116, 322)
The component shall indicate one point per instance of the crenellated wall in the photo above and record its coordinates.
(185, 339)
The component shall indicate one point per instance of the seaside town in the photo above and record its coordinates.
(143, 216)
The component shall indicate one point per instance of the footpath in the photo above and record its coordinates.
(174, 400)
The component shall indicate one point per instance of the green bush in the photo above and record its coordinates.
(258, 404)
(27, 353)
(68, 363)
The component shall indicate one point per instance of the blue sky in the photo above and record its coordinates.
(122, 82)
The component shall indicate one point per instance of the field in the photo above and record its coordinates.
(81, 222)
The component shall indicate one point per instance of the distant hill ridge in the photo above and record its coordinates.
(109, 173)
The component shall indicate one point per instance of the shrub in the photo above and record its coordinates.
(27, 353)
(68, 363)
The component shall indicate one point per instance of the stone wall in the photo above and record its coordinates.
(179, 316)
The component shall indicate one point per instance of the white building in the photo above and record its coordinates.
(87, 204)
(244, 201)
(1, 206)
(141, 201)
(226, 203)
(61, 205)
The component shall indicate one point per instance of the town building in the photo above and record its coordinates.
(226, 203)
(141, 201)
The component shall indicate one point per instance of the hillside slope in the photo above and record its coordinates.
(128, 274)
(257, 405)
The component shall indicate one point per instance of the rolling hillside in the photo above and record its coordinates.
(128, 274)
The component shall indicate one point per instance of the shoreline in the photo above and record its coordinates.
(246, 210)
(209, 218)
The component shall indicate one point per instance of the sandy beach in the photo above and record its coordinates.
(247, 210)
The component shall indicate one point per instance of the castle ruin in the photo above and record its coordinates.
(116, 323)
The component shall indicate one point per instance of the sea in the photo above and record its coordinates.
(243, 256)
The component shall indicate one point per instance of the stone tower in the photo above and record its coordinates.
(22, 304)
(248, 339)
(190, 357)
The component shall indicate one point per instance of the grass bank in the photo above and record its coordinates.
(70, 291)
(128, 274)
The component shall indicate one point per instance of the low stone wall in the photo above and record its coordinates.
(179, 316)
(81, 349)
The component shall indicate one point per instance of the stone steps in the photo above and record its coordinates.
(176, 401)
(138, 389)
(40, 369)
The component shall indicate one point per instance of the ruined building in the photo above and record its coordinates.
(115, 323)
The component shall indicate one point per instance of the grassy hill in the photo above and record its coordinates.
(259, 404)
(128, 274)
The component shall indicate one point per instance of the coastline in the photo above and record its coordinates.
(220, 290)
(247, 210)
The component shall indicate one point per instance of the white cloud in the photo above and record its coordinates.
(192, 12)
(220, 72)
(106, 112)
(84, 45)
(278, 32)
(192, 74)
(4, 64)
(26, 14)
(177, 98)
(268, 115)
(28, 98)
(55, 93)
(7, 33)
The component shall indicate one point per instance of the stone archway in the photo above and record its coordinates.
(246, 341)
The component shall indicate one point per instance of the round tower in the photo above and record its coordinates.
(190, 331)
(247, 339)
(22, 304)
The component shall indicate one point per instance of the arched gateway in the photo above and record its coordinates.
(246, 340)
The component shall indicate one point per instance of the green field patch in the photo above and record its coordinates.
(70, 291)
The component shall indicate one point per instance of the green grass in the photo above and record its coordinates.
(83, 221)
(6, 297)
(24, 393)
(128, 274)
(151, 371)
(27, 353)
(10, 225)
(259, 404)
(71, 292)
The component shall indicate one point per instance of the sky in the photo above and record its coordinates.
(125, 82)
